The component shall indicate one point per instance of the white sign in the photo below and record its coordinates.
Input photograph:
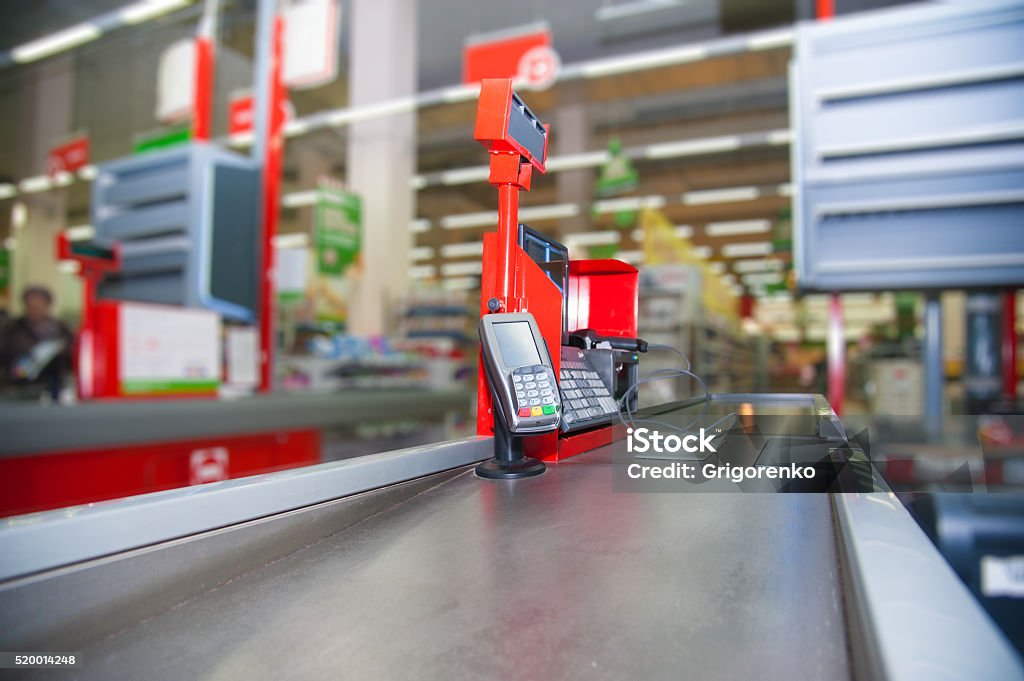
(242, 353)
(175, 81)
(208, 465)
(164, 350)
(538, 67)
(1002, 576)
(312, 31)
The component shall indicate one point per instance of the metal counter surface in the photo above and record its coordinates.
(542, 578)
(29, 428)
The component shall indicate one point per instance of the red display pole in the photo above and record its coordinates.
(1010, 344)
(273, 155)
(202, 97)
(508, 212)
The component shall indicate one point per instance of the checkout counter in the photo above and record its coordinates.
(408, 565)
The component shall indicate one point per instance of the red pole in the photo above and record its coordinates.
(825, 9)
(202, 97)
(508, 228)
(1010, 344)
(271, 207)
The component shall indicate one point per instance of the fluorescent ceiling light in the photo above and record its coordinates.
(465, 175)
(692, 147)
(62, 178)
(859, 299)
(241, 139)
(770, 39)
(421, 253)
(745, 250)
(681, 231)
(785, 189)
(87, 172)
(419, 226)
(629, 203)
(37, 183)
(720, 195)
(460, 93)
(780, 137)
(628, 9)
(729, 278)
(475, 248)
(80, 232)
(762, 278)
(19, 215)
(758, 265)
(465, 220)
(552, 212)
(7, 190)
(390, 107)
(735, 227)
(461, 284)
(296, 199)
(717, 267)
(422, 272)
(291, 240)
(453, 269)
(632, 257)
(296, 126)
(10, 243)
(418, 182)
(148, 9)
(635, 62)
(603, 238)
(590, 159)
(55, 42)
(703, 252)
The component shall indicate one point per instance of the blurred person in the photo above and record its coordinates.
(35, 349)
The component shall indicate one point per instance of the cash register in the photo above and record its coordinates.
(595, 371)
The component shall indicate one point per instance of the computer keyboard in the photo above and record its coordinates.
(586, 401)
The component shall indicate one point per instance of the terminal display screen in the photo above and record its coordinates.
(516, 344)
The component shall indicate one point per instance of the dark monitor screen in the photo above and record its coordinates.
(553, 259)
(516, 344)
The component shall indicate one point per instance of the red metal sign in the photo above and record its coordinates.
(68, 156)
(241, 116)
(504, 57)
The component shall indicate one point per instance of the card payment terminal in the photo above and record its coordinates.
(519, 370)
(524, 390)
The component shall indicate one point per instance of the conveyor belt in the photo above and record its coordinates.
(545, 578)
(448, 576)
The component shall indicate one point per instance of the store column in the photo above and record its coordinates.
(382, 153)
(572, 122)
(37, 218)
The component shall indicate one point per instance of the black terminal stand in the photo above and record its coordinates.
(509, 462)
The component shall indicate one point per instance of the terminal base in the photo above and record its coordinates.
(526, 467)
(509, 462)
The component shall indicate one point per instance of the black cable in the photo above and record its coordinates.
(661, 374)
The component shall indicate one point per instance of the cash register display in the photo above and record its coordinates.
(515, 342)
